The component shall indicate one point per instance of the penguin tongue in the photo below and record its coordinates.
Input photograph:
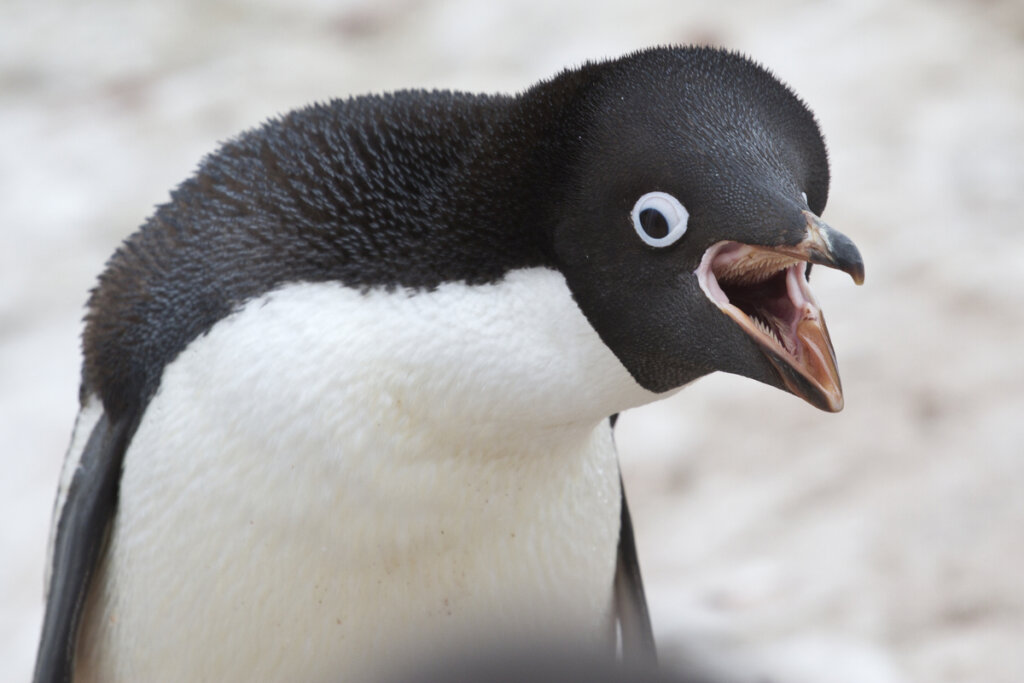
(765, 291)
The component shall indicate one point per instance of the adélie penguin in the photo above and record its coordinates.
(346, 396)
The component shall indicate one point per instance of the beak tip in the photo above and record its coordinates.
(832, 248)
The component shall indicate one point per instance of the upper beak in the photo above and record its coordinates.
(829, 247)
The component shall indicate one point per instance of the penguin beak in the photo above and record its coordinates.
(765, 291)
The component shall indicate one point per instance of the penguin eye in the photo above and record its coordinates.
(659, 219)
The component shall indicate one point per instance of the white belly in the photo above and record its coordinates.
(329, 479)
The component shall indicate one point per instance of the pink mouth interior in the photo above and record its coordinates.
(767, 287)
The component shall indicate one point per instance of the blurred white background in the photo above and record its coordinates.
(880, 545)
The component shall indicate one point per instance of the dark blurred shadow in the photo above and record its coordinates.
(543, 665)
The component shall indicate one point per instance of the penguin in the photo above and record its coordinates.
(348, 397)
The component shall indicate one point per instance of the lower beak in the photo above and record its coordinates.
(815, 378)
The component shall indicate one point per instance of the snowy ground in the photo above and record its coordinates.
(881, 545)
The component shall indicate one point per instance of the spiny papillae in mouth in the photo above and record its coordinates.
(768, 288)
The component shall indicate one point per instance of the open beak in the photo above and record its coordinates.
(765, 291)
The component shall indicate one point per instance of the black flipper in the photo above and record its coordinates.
(81, 530)
(630, 602)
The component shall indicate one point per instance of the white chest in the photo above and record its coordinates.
(328, 478)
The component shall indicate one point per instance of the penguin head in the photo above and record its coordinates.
(692, 220)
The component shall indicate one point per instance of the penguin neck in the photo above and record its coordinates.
(464, 367)
(513, 360)
(518, 170)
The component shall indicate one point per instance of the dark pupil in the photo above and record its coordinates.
(653, 222)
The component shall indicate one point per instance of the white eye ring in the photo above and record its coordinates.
(674, 213)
